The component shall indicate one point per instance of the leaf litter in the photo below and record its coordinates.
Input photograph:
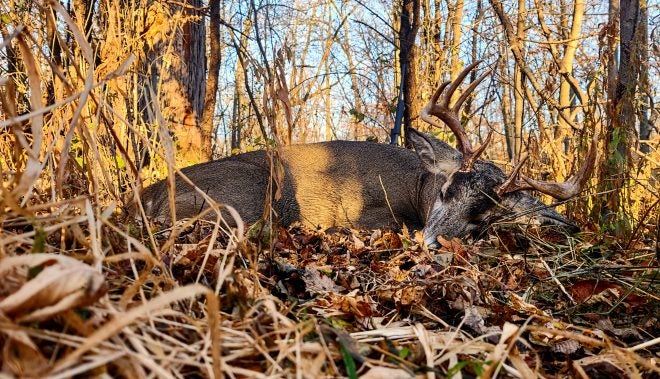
(311, 303)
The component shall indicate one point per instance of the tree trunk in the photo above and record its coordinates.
(620, 134)
(176, 63)
(456, 35)
(241, 102)
(518, 82)
(358, 108)
(82, 12)
(506, 106)
(407, 60)
(215, 56)
(476, 22)
(566, 68)
(645, 124)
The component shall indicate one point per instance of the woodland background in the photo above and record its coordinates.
(101, 98)
(227, 77)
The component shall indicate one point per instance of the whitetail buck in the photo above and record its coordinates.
(436, 188)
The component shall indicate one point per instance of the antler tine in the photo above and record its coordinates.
(468, 161)
(450, 114)
(438, 92)
(457, 82)
(468, 91)
(432, 106)
(463, 141)
(572, 186)
(511, 184)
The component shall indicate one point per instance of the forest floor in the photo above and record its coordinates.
(94, 301)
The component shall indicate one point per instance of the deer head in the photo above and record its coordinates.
(477, 193)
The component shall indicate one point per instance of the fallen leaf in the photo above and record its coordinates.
(317, 283)
(62, 284)
(409, 295)
(358, 245)
(357, 305)
(386, 372)
(601, 366)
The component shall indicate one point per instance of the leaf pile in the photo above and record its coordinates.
(337, 303)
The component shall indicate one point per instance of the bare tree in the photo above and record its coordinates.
(645, 123)
(316, 70)
(240, 101)
(409, 25)
(620, 134)
(175, 66)
(207, 126)
(456, 35)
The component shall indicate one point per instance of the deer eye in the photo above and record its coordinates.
(479, 211)
(449, 192)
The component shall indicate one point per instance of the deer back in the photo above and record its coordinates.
(338, 183)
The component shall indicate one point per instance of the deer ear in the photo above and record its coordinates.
(437, 157)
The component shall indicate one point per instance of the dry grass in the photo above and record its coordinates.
(317, 305)
(86, 292)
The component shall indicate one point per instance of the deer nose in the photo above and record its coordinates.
(433, 245)
(568, 227)
(431, 241)
(552, 218)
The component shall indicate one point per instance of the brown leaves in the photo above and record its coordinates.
(403, 296)
(37, 287)
(314, 299)
(318, 283)
(351, 304)
(593, 292)
(43, 285)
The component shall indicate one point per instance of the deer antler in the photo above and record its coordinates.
(560, 191)
(450, 114)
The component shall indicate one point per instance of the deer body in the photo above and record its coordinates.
(360, 185)
(438, 189)
(339, 183)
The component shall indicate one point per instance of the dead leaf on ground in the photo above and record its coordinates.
(318, 283)
(387, 240)
(63, 283)
(358, 305)
(557, 342)
(520, 305)
(599, 291)
(600, 366)
(404, 296)
(21, 356)
(386, 372)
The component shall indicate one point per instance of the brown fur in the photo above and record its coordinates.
(357, 184)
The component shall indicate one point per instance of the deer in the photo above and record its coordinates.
(436, 189)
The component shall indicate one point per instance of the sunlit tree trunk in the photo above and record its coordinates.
(476, 22)
(13, 102)
(506, 105)
(566, 68)
(240, 105)
(82, 12)
(176, 65)
(514, 135)
(358, 108)
(456, 35)
(207, 126)
(328, 105)
(438, 50)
